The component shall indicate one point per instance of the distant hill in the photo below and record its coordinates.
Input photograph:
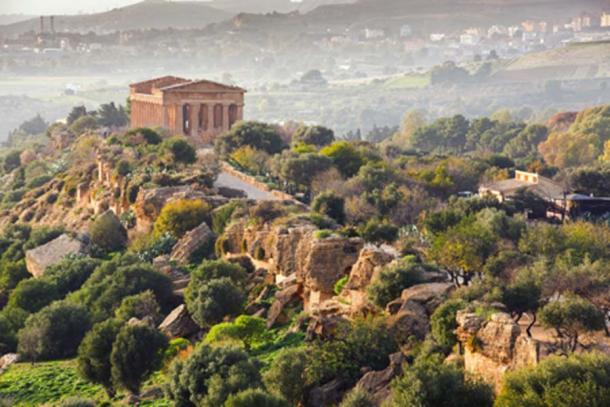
(577, 61)
(268, 6)
(13, 18)
(147, 14)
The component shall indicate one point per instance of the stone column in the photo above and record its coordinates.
(165, 109)
(240, 112)
(195, 119)
(225, 117)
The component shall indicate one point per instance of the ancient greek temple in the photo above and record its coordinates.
(198, 109)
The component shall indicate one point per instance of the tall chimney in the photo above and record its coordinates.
(53, 24)
(42, 24)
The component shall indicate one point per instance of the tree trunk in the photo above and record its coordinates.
(529, 327)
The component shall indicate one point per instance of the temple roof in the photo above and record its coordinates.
(171, 83)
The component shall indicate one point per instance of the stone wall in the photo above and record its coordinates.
(279, 195)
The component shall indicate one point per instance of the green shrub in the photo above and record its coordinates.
(221, 216)
(249, 330)
(313, 135)
(430, 383)
(255, 397)
(180, 150)
(54, 332)
(286, 375)
(32, 295)
(331, 205)
(83, 124)
(8, 340)
(149, 135)
(108, 233)
(212, 301)
(340, 284)
(136, 353)
(443, 323)
(39, 181)
(578, 380)
(123, 168)
(210, 375)
(379, 231)
(139, 306)
(393, 279)
(260, 136)
(180, 216)
(12, 161)
(94, 354)
(357, 397)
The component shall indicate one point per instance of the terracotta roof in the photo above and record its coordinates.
(545, 188)
(161, 78)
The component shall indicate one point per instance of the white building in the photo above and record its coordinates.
(373, 33)
(605, 20)
(406, 31)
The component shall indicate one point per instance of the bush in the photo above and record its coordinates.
(345, 156)
(70, 274)
(209, 375)
(393, 279)
(331, 205)
(431, 383)
(214, 269)
(83, 124)
(180, 150)
(571, 316)
(32, 295)
(313, 135)
(578, 380)
(255, 398)
(136, 353)
(357, 397)
(38, 181)
(249, 330)
(443, 323)
(108, 233)
(286, 375)
(8, 340)
(53, 333)
(221, 216)
(180, 216)
(212, 301)
(117, 279)
(260, 136)
(123, 168)
(139, 306)
(149, 135)
(94, 354)
(12, 161)
(376, 231)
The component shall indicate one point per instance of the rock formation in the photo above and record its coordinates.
(197, 239)
(37, 260)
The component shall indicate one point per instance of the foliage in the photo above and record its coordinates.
(331, 205)
(11, 161)
(54, 332)
(575, 381)
(33, 126)
(32, 295)
(286, 376)
(249, 330)
(119, 278)
(94, 354)
(377, 231)
(313, 135)
(300, 169)
(211, 301)
(139, 306)
(8, 341)
(571, 316)
(210, 375)
(108, 115)
(255, 397)
(431, 383)
(345, 157)
(76, 113)
(393, 279)
(363, 342)
(180, 150)
(357, 397)
(443, 323)
(250, 159)
(340, 284)
(83, 124)
(221, 216)
(108, 233)
(179, 216)
(260, 136)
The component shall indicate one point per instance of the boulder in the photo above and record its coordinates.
(197, 239)
(370, 261)
(37, 260)
(377, 383)
(179, 324)
(284, 246)
(429, 295)
(289, 295)
(328, 394)
(409, 322)
(7, 360)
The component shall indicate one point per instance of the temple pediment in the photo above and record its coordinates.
(203, 86)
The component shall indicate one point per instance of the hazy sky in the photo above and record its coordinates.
(60, 6)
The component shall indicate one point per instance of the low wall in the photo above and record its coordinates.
(250, 180)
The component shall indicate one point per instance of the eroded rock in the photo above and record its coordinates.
(37, 260)
(179, 324)
(200, 238)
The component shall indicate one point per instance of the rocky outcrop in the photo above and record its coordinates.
(328, 394)
(323, 262)
(495, 346)
(284, 245)
(411, 312)
(37, 260)
(287, 296)
(377, 383)
(178, 324)
(200, 238)
(7, 360)
(149, 202)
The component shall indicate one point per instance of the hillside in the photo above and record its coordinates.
(574, 62)
(143, 15)
(268, 6)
